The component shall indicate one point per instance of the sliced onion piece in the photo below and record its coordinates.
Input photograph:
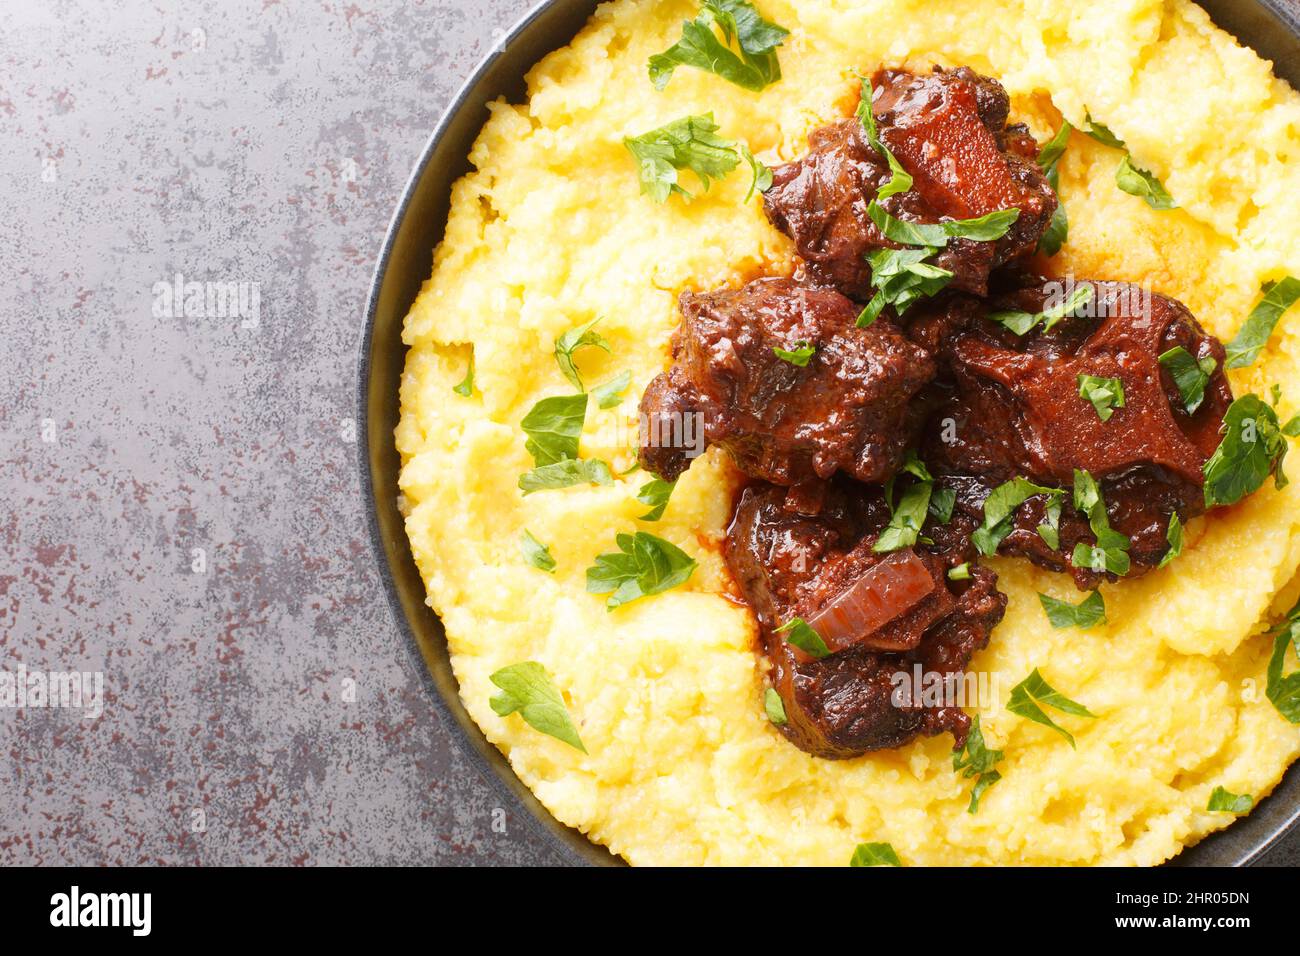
(884, 592)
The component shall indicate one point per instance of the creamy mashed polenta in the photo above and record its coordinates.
(682, 765)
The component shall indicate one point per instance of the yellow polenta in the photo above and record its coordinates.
(551, 231)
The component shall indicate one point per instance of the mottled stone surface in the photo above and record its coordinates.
(181, 505)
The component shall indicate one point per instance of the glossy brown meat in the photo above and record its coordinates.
(789, 565)
(948, 129)
(1012, 407)
(849, 409)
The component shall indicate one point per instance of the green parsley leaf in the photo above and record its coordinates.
(1049, 158)
(999, 507)
(801, 635)
(985, 228)
(799, 355)
(1106, 394)
(1102, 134)
(761, 175)
(874, 854)
(908, 517)
(1110, 553)
(901, 277)
(753, 69)
(942, 502)
(610, 395)
(913, 465)
(974, 759)
(900, 181)
(1087, 613)
(536, 553)
(1254, 334)
(553, 427)
(774, 706)
(527, 689)
(1292, 428)
(1190, 375)
(655, 494)
(1050, 530)
(570, 342)
(466, 386)
(1143, 184)
(1050, 155)
(688, 143)
(1221, 801)
(960, 573)
(565, 473)
(643, 565)
(1021, 322)
(1174, 535)
(1033, 693)
(1252, 447)
(1283, 690)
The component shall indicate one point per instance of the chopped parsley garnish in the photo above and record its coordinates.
(1102, 133)
(582, 337)
(1106, 394)
(875, 854)
(753, 68)
(643, 565)
(689, 143)
(1190, 375)
(1292, 428)
(565, 474)
(1021, 322)
(909, 516)
(1050, 529)
(974, 759)
(999, 508)
(960, 573)
(1049, 159)
(655, 494)
(610, 394)
(935, 235)
(774, 706)
(1031, 695)
(800, 634)
(466, 385)
(1129, 178)
(942, 502)
(1174, 535)
(1252, 447)
(1087, 613)
(900, 181)
(1110, 553)
(902, 276)
(536, 553)
(1283, 690)
(799, 355)
(527, 689)
(1221, 801)
(1143, 184)
(553, 427)
(1250, 340)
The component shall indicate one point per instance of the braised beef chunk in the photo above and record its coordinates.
(1012, 407)
(789, 565)
(948, 130)
(848, 409)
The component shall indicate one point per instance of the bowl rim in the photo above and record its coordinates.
(1241, 843)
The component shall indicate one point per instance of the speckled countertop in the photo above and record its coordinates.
(181, 507)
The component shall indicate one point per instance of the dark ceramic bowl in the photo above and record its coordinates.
(1272, 27)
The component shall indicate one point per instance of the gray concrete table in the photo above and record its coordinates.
(181, 508)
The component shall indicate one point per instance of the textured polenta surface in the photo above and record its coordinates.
(684, 768)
